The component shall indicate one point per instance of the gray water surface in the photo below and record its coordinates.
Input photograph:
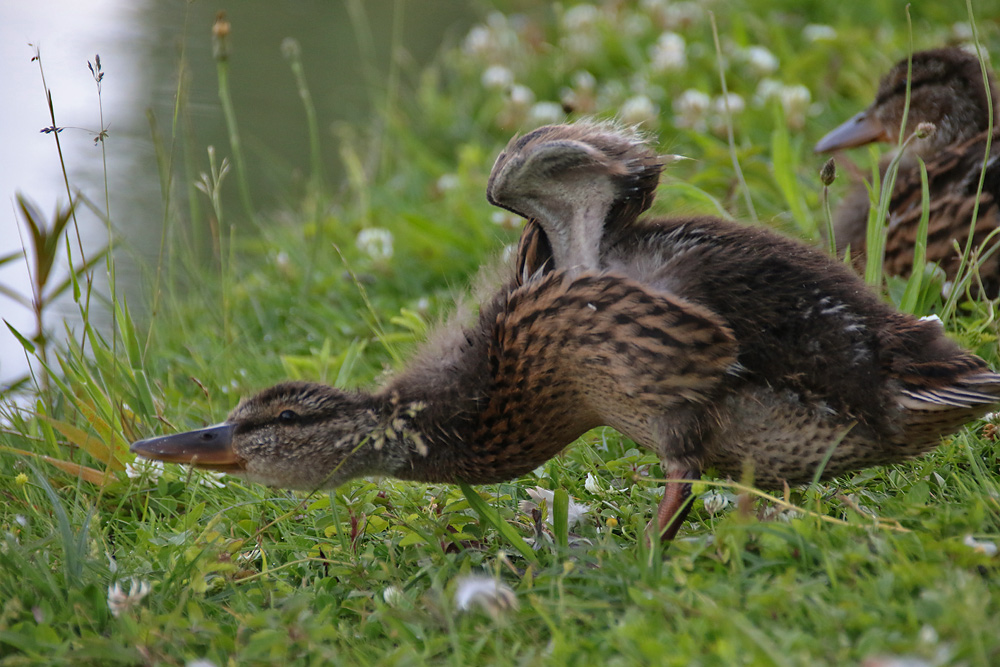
(140, 44)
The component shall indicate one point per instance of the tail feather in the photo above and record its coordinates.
(970, 392)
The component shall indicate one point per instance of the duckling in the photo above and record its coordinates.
(712, 344)
(822, 364)
(946, 89)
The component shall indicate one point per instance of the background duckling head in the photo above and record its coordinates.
(946, 89)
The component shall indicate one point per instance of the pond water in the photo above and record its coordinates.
(140, 44)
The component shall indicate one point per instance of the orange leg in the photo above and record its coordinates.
(675, 504)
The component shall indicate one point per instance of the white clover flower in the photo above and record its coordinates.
(767, 90)
(668, 53)
(691, 109)
(580, 97)
(715, 503)
(775, 513)
(142, 468)
(583, 80)
(682, 14)
(580, 18)
(575, 513)
(927, 634)
(635, 25)
(672, 15)
(489, 594)
(281, 261)
(592, 485)
(760, 60)
(497, 77)
(581, 44)
(249, 556)
(733, 101)
(393, 596)
(447, 182)
(980, 546)
(896, 661)
(376, 243)
(795, 101)
(479, 41)
(506, 219)
(932, 318)
(492, 42)
(962, 31)
(719, 115)
(521, 96)
(638, 109)
(211, 478)
(815, 32)
(120, 601)
(546, 113)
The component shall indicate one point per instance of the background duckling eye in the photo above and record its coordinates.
(287, 416)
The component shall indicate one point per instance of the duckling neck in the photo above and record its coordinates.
(464, 416)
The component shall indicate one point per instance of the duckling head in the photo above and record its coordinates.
(298, 435)
(574, 178)
(945, 88)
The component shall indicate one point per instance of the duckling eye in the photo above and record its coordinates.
(288, 416)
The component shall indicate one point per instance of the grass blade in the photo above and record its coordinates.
(490, 516)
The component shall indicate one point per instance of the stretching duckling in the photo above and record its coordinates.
(710, 343)
(946, 89)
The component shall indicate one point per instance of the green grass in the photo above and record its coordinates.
(248, 575)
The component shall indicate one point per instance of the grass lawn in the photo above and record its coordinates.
(106, 562)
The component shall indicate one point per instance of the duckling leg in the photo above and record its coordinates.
(680, 437)
(676, 502)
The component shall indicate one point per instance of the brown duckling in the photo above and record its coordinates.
(946, 89)
(819, 357)
(712, 344)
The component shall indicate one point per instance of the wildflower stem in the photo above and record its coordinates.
(729, 123)
(964, 273)
(220, 33)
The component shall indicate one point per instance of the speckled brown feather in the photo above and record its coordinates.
(593, 350)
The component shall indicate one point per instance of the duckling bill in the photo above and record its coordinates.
(714, 345)
(210, 447)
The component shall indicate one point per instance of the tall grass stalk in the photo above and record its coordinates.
(211, 184)
(220, 50)
(747, 198)
(293, 54)
(878, 214)
(165, 153)
(827, 174)
(965, 272)
(914, 285)
(314, 199)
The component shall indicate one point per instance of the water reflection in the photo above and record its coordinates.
(141, 45)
